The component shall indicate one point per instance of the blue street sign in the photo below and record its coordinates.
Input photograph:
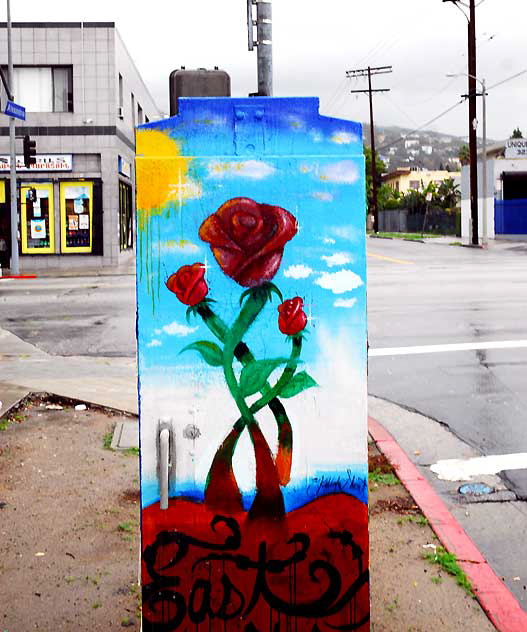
(15, 110)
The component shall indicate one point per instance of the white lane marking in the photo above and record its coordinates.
(466, 469)
(459, 346)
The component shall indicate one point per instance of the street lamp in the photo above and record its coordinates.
(484, 160)
(471, 20)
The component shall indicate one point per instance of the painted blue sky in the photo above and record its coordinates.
(324, 263)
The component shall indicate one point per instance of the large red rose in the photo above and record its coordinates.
(291, 318)
(247, 239)
(189, 284)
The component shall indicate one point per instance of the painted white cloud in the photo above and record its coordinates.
(186, 190)
(349, 232)
(253, 169)
(337, 259)
(316, 136)
(177, 329)
(154, 343)
(339, 282)
(299, 271)
(343, 172)
(328, 240)
(345, 302)
(323, 196)
(344, 138)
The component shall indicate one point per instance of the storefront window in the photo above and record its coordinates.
(126, 216)
(76, 217)
(5, 226)
(37, 224)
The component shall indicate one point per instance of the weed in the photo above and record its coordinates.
(383, 478)
(448, 562)
(96, 605)
(126, 526)
(420, 520)
(436, 580)
(131, 451)
(4, 424)
(392, 605)
(107, 440)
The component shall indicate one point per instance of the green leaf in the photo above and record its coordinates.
(254, 376)
(298, 383)
(209, 351)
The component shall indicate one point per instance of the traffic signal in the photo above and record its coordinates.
(30, 151)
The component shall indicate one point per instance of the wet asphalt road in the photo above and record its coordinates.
(421, 294)
(417, 294)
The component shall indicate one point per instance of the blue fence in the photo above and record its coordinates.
(510, 217)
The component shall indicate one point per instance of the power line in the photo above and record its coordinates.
(418, 129)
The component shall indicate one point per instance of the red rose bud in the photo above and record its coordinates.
(189, 284)
(291, 319)
(247, 239)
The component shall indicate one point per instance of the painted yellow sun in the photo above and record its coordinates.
(161, 172)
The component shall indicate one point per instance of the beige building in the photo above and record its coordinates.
(405, 179)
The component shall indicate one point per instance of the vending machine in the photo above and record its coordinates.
(251, 328)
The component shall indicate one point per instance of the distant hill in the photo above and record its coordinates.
(399, 147)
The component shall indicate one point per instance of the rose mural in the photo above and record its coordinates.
(247, 240)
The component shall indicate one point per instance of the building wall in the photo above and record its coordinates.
(422, 176)
(93, 133)
(495, 167)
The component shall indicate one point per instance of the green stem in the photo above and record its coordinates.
(284, 379)
(252, 307)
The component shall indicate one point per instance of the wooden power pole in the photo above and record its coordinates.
(368, 72)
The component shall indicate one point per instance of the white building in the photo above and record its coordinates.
(506, 194)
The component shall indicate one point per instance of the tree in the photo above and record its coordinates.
(447, 195)
(369, 180)
(464, 155)
(517, 133)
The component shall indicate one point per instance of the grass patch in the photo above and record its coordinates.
(131, 451)
(448, 562)
(436, 580)
(4, 424)
(412, 236)
(107, 440)
(420, 520)
(127, 527)
(383, 478)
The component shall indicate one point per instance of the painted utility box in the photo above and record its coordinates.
(252, 368)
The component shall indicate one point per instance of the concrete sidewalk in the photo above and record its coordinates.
(112, 383)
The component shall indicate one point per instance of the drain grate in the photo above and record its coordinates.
(475, 489)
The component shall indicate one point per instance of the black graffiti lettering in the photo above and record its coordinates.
(166, 609)
(166, 604)
(200, 594)
(230, 590)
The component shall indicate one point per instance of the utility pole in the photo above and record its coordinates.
(263, 43)
(472, 114)
(368, 72)
(14, 264)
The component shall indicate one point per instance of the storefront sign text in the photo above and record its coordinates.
(45, 162)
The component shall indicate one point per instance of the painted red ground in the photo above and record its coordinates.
(306, 572)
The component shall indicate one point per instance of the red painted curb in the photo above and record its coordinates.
(18, 276)
(495, 598)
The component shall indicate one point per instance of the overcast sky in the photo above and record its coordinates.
(314, 43)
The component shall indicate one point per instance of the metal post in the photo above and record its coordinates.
(373, 161)
(472, 116)
(264, 36)
(484, 179)
(14, 264)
